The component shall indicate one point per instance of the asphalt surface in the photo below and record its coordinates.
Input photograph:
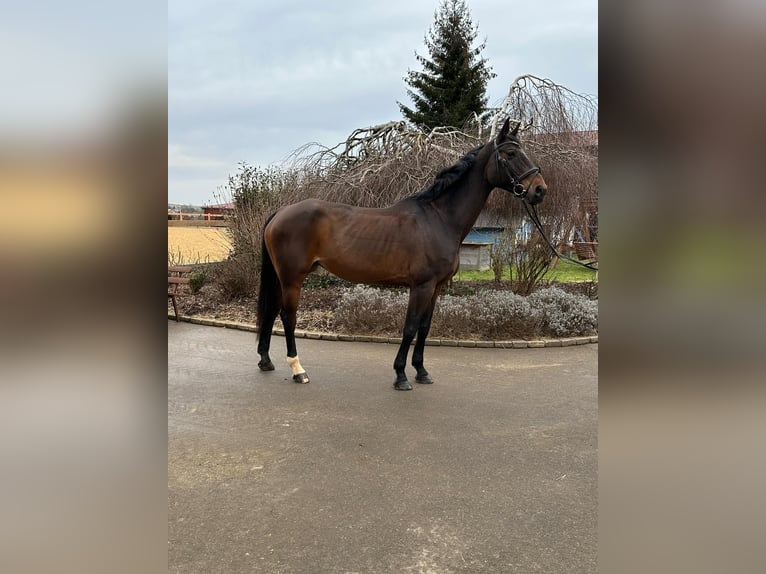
(491, 469)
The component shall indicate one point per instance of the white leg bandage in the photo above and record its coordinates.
(295, 365)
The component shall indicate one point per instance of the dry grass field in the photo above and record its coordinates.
(188, 245)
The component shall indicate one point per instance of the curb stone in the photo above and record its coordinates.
(300, 334)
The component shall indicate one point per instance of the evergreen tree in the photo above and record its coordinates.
(453, 83)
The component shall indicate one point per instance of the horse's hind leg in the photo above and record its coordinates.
(289, 312)
(269, 304)
(264, 336)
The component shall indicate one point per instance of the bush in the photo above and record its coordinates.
(564, 314)
(363, 309)
(321, 279)
(483, 315)
(196, 281)
(486, 314)
(237, 276)
(256, 193)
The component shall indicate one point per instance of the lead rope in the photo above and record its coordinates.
(532, 212)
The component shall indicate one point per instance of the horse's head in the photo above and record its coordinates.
(511, 170)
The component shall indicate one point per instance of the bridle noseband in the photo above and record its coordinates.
(517, 188)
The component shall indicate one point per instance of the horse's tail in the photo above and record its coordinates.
(269, 294)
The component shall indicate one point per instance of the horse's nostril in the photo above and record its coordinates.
(540, 190)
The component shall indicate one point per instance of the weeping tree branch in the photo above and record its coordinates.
(548, 107)
(379, 165)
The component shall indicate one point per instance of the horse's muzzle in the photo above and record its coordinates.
(538, 195)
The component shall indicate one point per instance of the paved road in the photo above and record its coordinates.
(491, 469)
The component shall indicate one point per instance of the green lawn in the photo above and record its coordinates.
(564, 272)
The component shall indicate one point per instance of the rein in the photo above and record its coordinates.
(532, 212)
(521, 192)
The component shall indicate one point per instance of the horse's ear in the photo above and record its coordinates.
(503, 131)
(515, 131)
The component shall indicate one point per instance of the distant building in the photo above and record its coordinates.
(475, 256)
(219, 209)
(478, 246)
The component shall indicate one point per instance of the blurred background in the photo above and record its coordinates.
(83, 166)
(681, 393)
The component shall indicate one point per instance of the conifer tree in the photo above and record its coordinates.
(453, 83)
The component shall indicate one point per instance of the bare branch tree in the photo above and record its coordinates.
(379, 165)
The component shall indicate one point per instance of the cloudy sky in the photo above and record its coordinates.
(252, 80)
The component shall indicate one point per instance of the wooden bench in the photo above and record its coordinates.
(177, 275)
(586, 249)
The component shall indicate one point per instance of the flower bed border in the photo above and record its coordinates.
(434, 342)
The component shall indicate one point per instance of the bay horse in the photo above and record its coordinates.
(413, 243)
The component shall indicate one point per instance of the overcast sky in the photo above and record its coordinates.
(252, 80)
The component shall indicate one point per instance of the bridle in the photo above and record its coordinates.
(521, 192)
(516, 186)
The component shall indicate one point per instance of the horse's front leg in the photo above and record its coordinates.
(422, 376)
(420, 298)
(401, 383)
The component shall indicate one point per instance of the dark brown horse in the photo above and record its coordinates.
(413, 243)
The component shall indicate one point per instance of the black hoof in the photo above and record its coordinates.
(402, 385)
(424, 379)
(266, 365)
(301, 378)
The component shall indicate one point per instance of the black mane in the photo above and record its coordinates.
(448, 176)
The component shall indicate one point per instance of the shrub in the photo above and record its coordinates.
(486, 314)
(363, 309)
(256, 193)
(196, 281)
(564, 314)
(483, 315)
(321, 279)
(237, 276)
(529, 263)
